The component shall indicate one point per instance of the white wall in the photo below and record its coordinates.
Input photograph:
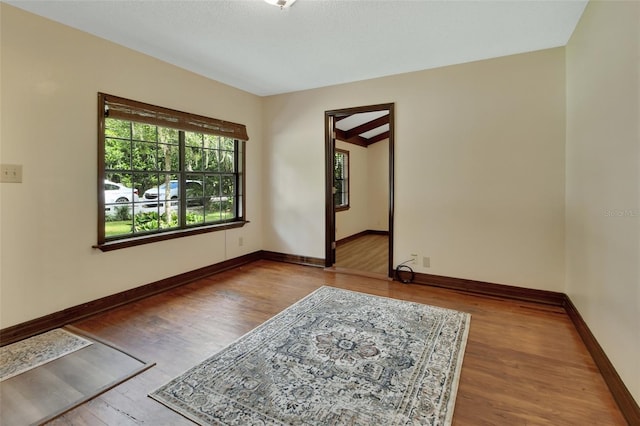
(603, 180)
(50, 76)
(479, 182)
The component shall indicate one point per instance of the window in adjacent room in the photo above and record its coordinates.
(341, 179)
(166, 173)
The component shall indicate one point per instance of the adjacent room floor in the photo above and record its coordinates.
(524, 363)
(367, 253)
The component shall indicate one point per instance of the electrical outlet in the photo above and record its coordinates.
(11, 173)
(414, 258)
(240, 242)
(426, 262)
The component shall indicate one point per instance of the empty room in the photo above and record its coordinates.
(320, 212)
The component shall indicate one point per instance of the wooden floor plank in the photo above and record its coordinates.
(368, 253)
(524, 363)
(52, 388)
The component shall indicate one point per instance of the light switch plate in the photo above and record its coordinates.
(11, 173)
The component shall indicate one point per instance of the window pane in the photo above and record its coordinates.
(117, 154)
(195, 191)
(228, 186)
(142, 181)
(164, 187)
(227, 143)
(169, 189)
(228, 191)
(161, 206)
(212, 186)
(168, 157)
(228, 208)
(119, 199)
(341, 179)
(193, 159)
(211, 141)
(226, 161)
(193, 139)
(167, 135)
(118, 225)
(209, 160)
(144, 156)
(144, 132)
(195, 217)
(117, 128)
(146, 221)
(212, 192)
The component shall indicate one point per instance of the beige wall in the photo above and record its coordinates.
(378, 185)
(602, 184)
(369, 190)
(50, 77)
(356, 218)
(479, 154)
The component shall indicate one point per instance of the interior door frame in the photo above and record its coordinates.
(330, 145)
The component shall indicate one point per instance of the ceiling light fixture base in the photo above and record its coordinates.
(281, 3)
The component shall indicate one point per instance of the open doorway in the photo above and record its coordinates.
(359, 146)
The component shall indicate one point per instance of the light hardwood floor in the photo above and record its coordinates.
(524, 363)
(368, 253)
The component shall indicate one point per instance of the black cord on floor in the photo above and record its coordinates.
(404, 273)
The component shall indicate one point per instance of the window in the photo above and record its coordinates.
(166, 173)
(341, 179)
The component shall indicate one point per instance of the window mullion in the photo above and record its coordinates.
(236, 169)
(130, 145)
(182, 181)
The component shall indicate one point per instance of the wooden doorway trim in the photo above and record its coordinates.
(330, 118)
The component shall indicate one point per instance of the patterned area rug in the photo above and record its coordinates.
(38, 350)
(335, 357)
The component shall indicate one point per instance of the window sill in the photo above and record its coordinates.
(148, 239)
(342, 208)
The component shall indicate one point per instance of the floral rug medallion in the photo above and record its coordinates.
(336, 357)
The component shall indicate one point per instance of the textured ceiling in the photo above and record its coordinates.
(259, 48)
